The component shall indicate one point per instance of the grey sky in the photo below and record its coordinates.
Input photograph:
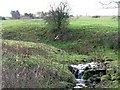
(78, 7)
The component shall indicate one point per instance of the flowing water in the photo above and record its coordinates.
(79, 71)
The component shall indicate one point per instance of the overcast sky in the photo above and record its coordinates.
(78, 7)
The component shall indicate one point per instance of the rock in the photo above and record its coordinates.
(88, 73)
(109, 59)
(88, 67)
(78, 87)
(113, 77)
(81, 84)
(80, 80)
(76, 73)
(105, 78)
(111, 71)
(83, 61)
(70, 68)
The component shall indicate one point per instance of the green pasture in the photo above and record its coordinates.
(75, 23)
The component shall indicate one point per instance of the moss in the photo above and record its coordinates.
(113, 77)
(86, 74)
(105, 78)
(118, 76)
(115, 84)
(110, 71)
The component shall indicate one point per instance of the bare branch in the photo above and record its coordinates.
(107, 6)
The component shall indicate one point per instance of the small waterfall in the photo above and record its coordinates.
(78, 71)
(80, 81)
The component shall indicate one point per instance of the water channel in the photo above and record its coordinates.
(95, 69)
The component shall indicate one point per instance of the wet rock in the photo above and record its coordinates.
(83, 61)
(73, 70)
(87, 74)
(70, 68)
(78, 87)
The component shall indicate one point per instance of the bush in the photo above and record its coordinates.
(57, 18)
(95, 16)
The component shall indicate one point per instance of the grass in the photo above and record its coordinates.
(29, 43)
(23, 58)
(102, 21)
(23, 22)
(75, 23)
(21, 48)
(34, 72)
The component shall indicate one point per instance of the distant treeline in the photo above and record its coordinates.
(2, 18)
(38, 15)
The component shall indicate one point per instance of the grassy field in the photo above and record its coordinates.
(29, 43)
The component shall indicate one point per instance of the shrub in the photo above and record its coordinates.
(96, 16)
(58, 17)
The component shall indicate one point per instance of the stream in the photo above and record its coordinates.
(95, 69)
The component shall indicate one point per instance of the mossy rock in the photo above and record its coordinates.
(105, 78)
(86, 75)
(111, 71)
(113, 77)
(115, 84)
(92, 79)
(117, 76)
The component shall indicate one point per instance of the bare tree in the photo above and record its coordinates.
(108, 5)
(58, 16)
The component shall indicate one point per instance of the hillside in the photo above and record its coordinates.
(31, 59)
